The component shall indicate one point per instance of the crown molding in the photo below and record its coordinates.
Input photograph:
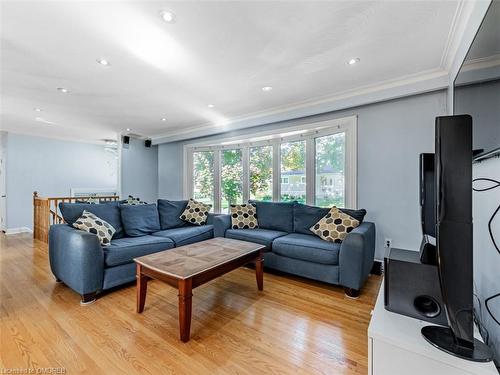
(96, 142)
(457, 29)
(413, 84)
(481, 63)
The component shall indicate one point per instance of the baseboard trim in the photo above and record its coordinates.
(18, 230)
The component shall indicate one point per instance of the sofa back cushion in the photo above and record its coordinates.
(275, 215)
(109, 212)
(170, 212)
(304, 216)
(140, 220)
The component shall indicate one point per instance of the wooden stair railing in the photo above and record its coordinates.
(46, 212)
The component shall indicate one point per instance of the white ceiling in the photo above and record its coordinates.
(219, 53)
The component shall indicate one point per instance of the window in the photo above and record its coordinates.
(293, 168)
(313, 164)
(330, 163)
(261, 173)
(203, 177)
(231, 178)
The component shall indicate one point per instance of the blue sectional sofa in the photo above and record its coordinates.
(291, 247)
(78, 259)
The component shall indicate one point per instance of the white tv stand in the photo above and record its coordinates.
(396, 346)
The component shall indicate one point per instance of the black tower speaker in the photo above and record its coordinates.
(126, 139)
(147, 143)
(453, 166)
(412, 288)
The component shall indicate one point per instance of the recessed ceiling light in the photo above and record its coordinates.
(267, 88)
(37, 109)
(62, 89)
(353, 61)
(128, 129)
(163, 119)
(167, 16)
(211, 105)
(103, 62)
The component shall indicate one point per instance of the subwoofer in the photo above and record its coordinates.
(412, 288)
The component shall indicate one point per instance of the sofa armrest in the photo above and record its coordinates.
(76, 258)
(221, 224)
(357, 254)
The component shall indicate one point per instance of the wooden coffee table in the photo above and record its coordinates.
(189, 266)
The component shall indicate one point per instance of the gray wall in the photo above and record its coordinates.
(170, 170)
(51, 167)
(391, 135)
(482, 102)
(139, 171)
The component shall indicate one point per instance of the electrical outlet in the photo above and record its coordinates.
(388, 242)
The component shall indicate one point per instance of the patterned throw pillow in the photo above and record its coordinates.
(92, 224)
(196, 212)
(334, 226)
(131, 201)
(244, 216)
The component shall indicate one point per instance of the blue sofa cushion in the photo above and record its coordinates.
(109, 212)
(124, 250)
(187, 234)
(139, 220)
(275, 215)
(170, 212)
(304, 216)
(258, 235)
(307, 247)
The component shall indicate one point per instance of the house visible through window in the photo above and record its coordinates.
(315, 164)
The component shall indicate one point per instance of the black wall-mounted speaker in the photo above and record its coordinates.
(147, 143)
(126, 140)
(412, 288)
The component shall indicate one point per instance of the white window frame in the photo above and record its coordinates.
(308, 132)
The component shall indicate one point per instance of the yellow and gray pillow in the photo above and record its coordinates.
(244, 216)
(334, 226)
(196, 213)
(89, 222)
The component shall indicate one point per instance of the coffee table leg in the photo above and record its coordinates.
(142, 287)
(185, 305)
(259, 271)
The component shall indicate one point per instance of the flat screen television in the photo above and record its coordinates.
(452, 197)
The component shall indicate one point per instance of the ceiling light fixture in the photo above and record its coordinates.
(37, 109)
(353, 61)
(167, 16)
(163, 119)
(103, 62)
(211, 105)
(62, 89)
(267, 88)
(128, 129)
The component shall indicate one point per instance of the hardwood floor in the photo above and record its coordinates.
(294, 326)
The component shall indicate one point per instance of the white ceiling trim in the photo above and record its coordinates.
(432, 80)
(460, 19)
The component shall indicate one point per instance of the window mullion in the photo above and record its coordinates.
(310, 170)
(217, 181)
(276, 170)
(246, 173)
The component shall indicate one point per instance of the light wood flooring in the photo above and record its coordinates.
(294, 326)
